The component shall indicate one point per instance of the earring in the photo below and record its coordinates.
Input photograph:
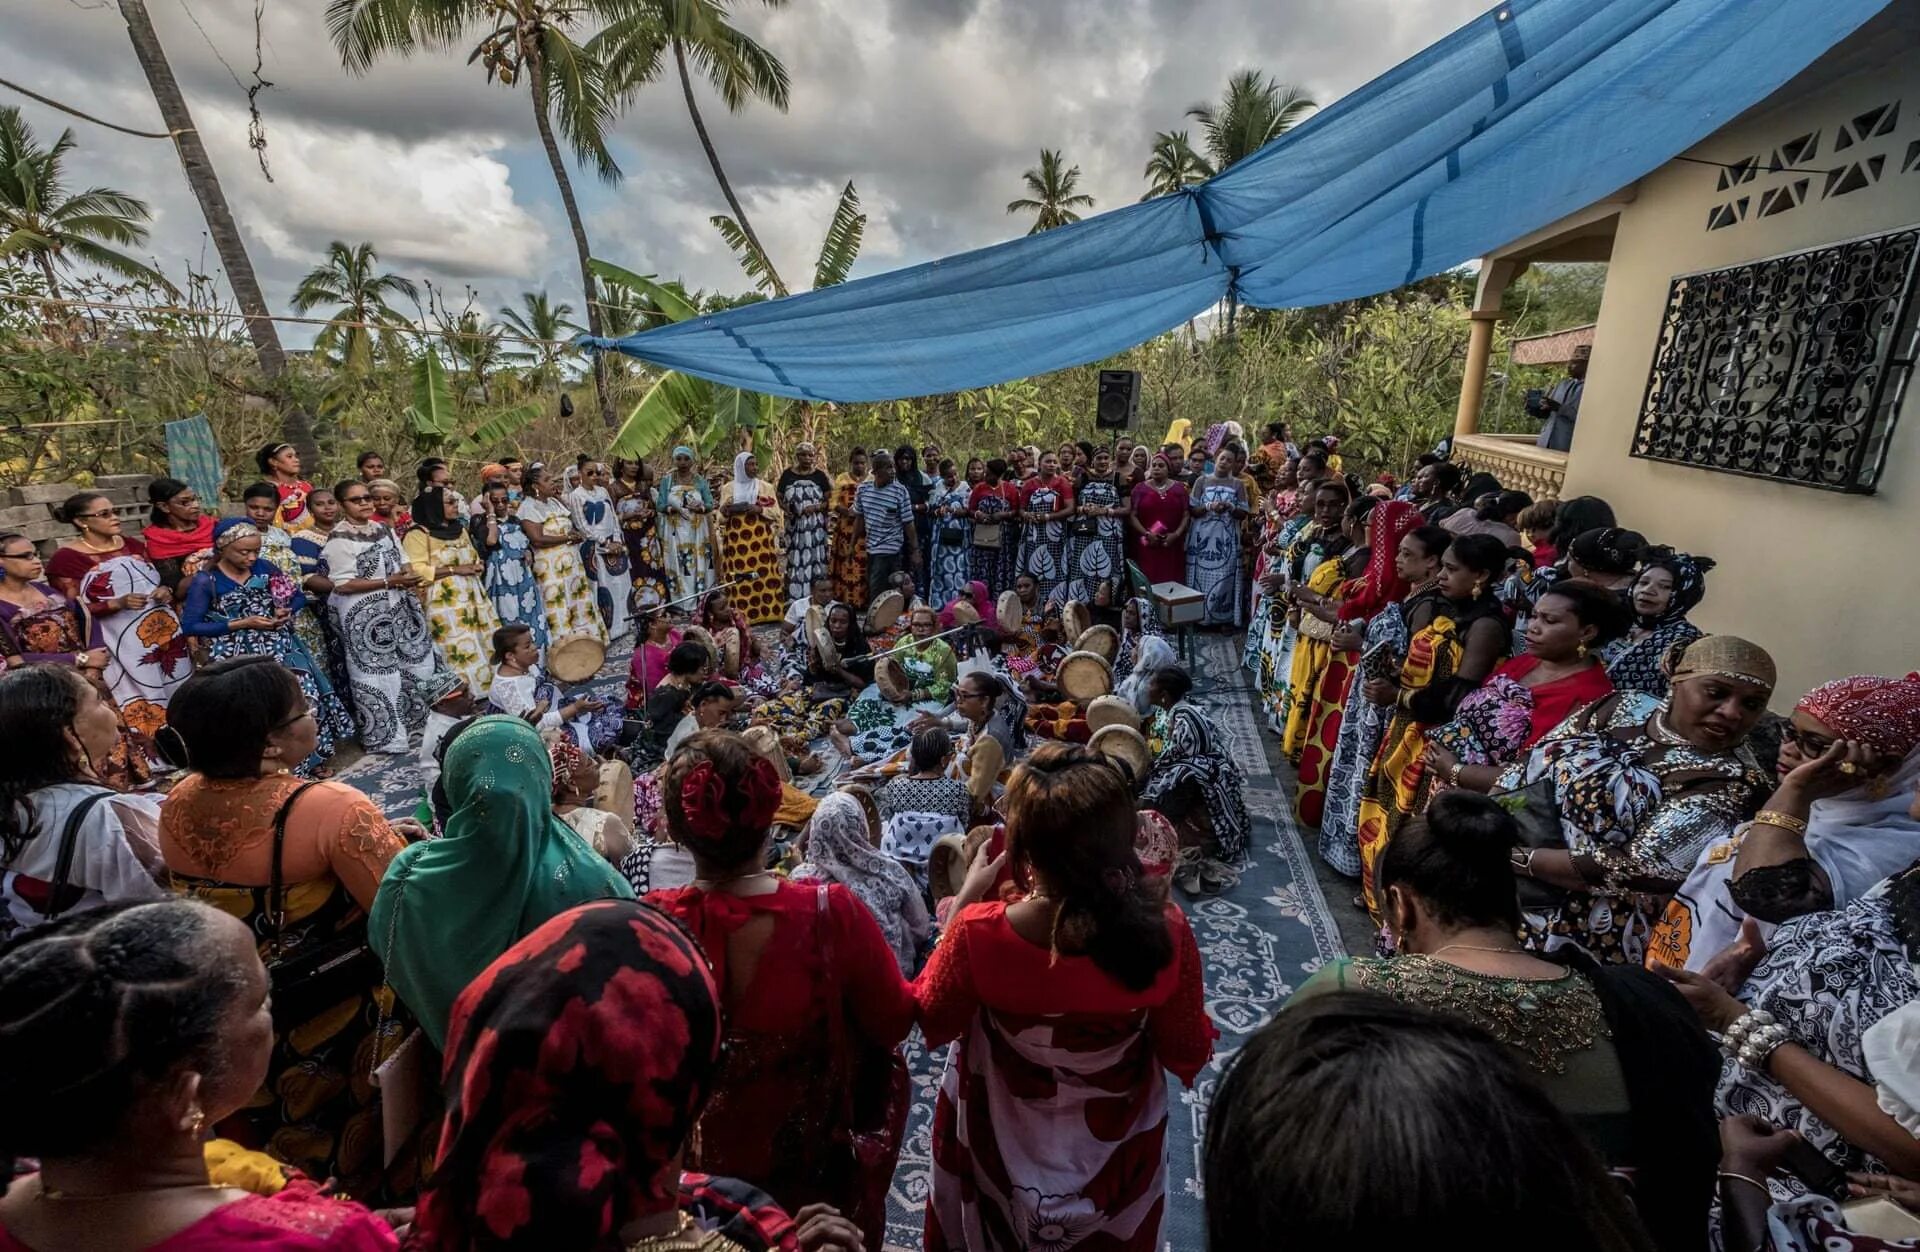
(1479, 588)
(197, 1123)
(1583, 651)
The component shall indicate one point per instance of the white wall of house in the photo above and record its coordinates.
(1828, 583)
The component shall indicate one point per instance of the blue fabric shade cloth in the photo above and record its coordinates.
(1529, 112)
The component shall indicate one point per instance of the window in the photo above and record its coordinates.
(1792, 368)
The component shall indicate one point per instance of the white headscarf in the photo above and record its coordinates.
(1155, 654)
(838, 851)
(1859, 839)
(746, 490)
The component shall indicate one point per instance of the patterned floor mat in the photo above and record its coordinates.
(1259, 941)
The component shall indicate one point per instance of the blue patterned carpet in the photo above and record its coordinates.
(1259, 940)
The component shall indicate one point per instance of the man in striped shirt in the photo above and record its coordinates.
(884, 513)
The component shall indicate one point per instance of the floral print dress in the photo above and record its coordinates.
(1641, 802)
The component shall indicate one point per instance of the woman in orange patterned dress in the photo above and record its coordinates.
(1323, 708)
(848, 558)
(749, 552)
(1457, 634)
(240, 725)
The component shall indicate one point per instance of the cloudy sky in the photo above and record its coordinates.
(932, 107)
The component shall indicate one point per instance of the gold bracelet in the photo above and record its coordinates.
(1754, 1182)
(1785, 821)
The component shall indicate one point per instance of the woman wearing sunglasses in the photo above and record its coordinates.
(1837, 823)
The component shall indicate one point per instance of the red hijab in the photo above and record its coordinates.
(1387, 525)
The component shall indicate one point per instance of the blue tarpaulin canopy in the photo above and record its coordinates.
(1529, 112)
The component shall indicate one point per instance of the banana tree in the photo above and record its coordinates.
(707, 414)
(434, 423)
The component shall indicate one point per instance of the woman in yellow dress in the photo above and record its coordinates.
(460, 614)
(847, 557)
(1457, 634)
(752, 518)
(565, 591)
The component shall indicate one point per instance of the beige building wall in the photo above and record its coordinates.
(1828, 583)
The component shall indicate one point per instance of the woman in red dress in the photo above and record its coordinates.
(281, 466)
(1534, 692)
(1070, 1005)
(815, 1002)
(1159, 523)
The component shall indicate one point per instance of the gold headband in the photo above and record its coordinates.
(1726, 656)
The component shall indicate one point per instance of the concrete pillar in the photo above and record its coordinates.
(1496, 274)
(1473, 382)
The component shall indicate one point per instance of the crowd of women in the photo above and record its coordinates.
(638, 976)
(1576, 825)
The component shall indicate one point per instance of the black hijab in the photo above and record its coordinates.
(430, 515)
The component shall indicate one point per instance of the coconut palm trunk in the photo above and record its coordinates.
(296, 427)
(538, 65)
(713, 159)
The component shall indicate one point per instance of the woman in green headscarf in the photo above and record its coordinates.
(447, 908)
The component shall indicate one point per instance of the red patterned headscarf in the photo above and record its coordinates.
(1387, 525)
(576, 1064)
(1883, 713)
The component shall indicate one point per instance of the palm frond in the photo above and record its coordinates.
(113, 262)
(751, 259)
(577, 93)
(631, 52)
(842, 246)
(502, 426)
(431, 412)
(668, 406)
(672, 304)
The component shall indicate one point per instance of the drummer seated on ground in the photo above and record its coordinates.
(519, 690)
(578, 794)
(819, 596)
(922, 669)
(449, 702)
(711, 705)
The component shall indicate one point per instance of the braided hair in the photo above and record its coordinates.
(1071, 821)
(37, 703)
(97, 1006)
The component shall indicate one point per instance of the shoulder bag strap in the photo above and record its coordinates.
(277, 882)
(836, 1010)
(60, 896)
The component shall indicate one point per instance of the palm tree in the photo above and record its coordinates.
(348, 279)
(476, 348)
(547, 324)
(838, 250)
(634, 48)
(44, 225)
(1255, 111)
(1173, 164)
(1052, 199)
(521, 41)
(295, 426)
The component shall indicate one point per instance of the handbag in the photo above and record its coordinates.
(1536, 814)
(953, 536)
(406, 1076)
(875, 1090)
(61, 894)
(1080, 526)
(986, 534)
(320, 975)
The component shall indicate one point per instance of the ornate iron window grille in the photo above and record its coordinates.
(1791, 368)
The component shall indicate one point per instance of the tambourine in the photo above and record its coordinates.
(1074, 620)
(576, 658)
(1102, 641)
(1013, 614)
(1084, 677)
(885, 611)
(1127, 745)
(891, 677)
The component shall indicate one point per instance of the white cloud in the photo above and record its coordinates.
(444, 205)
